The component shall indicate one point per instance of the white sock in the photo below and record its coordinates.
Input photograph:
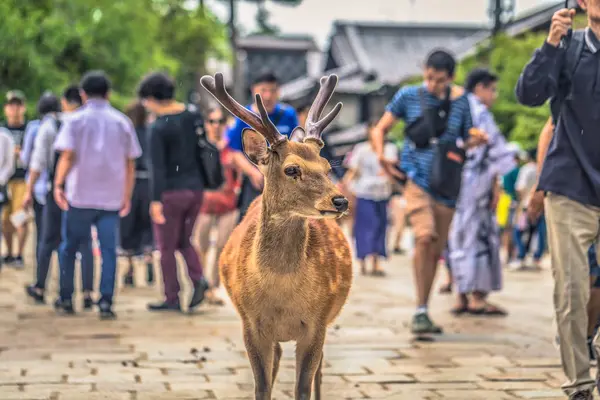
(422, 310)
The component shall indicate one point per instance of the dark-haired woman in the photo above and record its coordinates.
(176, 185)
(136, 227)
(219, 208)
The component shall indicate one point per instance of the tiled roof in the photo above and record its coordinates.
(386, 53)
(303, 43)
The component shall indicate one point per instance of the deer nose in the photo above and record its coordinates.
(340, 203)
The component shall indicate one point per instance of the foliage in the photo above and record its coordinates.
(507, 58)
(48, 44)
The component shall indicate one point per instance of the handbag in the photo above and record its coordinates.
(208, 156)
(446, 170)
(431, 123)
(211, 168)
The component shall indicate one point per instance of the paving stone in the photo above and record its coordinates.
(369, 352)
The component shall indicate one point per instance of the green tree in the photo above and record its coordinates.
(48, 44)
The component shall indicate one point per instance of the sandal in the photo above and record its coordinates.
(446, 289)
(459, 310)
(488, 311)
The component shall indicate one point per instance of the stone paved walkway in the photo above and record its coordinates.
(369, 352)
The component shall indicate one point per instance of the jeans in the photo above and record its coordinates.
(50, 241)
(38, 210)
(76, 226)
(180, 208)
(523, 248)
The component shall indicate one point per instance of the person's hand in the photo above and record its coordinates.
(17, 150)
(27, 200)
(156, 213)
(125, 208)
(477, 137)
(256, 179)
(61, 199)
(535, 208)
(561, 22)
(495, 199)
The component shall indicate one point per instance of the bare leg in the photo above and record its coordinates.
(8, 232)
(261, 355)
(423, 270)
(22, 233)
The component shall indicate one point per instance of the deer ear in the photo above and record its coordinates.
(298, 134)
(255, 146)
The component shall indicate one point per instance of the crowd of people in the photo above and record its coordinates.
(472, 199)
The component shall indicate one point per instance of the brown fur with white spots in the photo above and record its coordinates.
(287, 266)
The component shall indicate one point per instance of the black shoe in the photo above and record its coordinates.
(32, 291)
(88, 303)
(105, 309)
(8, 260)
(128, 281)
(17, 262)
(164, 306)
(582, 395)
(399, 250)
(150, 273)
(64, 306)
(199, 291)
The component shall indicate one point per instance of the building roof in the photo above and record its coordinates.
(386, 53)
(270, 42)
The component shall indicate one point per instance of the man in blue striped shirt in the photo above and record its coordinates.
(430, 215)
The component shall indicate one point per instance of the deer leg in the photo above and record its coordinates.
(276, 361)
(309, 352)
(261, 354)
(318, 380)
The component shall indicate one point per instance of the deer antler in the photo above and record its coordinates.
(262, 124)
(314, 127)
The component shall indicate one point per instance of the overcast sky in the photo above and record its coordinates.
(315, 17)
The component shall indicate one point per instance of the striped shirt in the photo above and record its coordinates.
(417, 163)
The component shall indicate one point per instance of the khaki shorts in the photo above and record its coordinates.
(427, 217)
(16, 194)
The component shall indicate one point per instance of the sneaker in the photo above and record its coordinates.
(164, 306)
(105, 309)
(582, 395)
(8, 260)
(64, 306)
(517, 265)
(88, 303)
(32, 291)
(421, 323)
(199, 293)
(17, 262)
(591, 351)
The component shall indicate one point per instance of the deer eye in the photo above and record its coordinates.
(293, 171)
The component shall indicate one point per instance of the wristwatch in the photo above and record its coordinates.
(61, 186)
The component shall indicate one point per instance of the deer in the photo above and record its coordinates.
(287, 267)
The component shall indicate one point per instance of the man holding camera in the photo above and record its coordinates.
(564, 69)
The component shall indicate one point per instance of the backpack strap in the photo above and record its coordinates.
(572, 56)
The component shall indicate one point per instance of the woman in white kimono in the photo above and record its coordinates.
(474, 240)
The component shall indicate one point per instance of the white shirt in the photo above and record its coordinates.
(7, 156)
(526, 180)
(371, 181)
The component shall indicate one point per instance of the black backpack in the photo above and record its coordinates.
(572, 57)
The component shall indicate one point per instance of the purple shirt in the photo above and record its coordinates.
(103, 140)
